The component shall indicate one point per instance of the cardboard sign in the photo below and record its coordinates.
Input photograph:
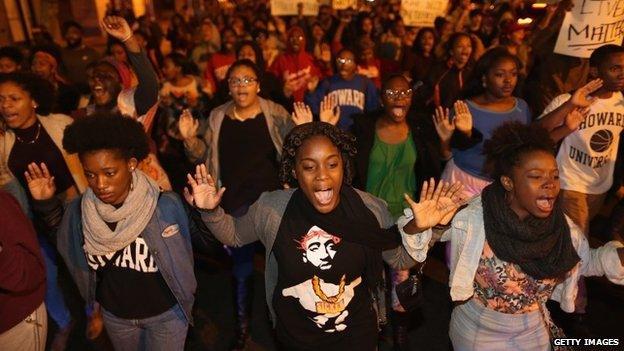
(590, 25)
(422, 13)
(289, 7)
(344, 4)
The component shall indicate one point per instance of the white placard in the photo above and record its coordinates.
(289, 7)
(590, 25)
(344, 4)
(422, 13)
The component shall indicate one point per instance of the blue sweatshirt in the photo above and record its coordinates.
(355, 96)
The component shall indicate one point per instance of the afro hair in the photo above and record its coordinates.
(106, 131)
(510, 142)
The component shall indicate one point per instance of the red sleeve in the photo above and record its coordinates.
(209, 78)
(276, 68)
(21, 264)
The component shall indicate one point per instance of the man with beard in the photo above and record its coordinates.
(77, 56)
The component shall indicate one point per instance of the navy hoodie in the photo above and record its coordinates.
(355, 96)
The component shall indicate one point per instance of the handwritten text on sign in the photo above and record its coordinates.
(591, 24)
(422, 13)
(289, 7)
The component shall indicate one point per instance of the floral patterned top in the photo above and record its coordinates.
(503, 287)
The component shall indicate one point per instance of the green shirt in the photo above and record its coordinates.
(391, 173)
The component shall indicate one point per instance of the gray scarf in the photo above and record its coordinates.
(131, 218)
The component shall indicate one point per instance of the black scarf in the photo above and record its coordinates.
(352, 221)
(542, 247)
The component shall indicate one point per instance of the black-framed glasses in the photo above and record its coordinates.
(242, 81)
(343, 61)
(392, 94)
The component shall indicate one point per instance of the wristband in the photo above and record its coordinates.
(442, 226)
(127, 38)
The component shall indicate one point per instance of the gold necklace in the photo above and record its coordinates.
(32, 141)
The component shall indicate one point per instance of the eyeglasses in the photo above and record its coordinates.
(344, 61)
(242, 81)
(392, 94)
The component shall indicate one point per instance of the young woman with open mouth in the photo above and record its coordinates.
(241, 143)
(324, 239)
(513, 249)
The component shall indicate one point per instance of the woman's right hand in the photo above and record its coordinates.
(40, 182)
(437, 205)
(443, 125)
(203, 194)
(188, 125)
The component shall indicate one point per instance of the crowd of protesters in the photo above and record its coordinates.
(114, 166)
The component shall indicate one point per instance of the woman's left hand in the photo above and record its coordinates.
(437, 205)
(204, 194)
(463, 117)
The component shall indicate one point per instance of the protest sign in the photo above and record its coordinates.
(289, 7)
(344, 4)
(422, 13)
(591, 24)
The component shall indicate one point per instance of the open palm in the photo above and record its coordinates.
(330, 111)
(40, 182)
(301, 113)
(463, 117)
(437, 205)
(187, 125)
(203, 194)
(443, 125)
(581, 97)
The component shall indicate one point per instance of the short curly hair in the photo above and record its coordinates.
(39, 89)
(107, 131)
(510, 142)
(344, 141)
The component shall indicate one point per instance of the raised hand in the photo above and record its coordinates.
(203, 194)
(330, 111)
(437, 204)
(574, 119)
(581, 98)
(117, 27)
(312, 83)
(463, 117)
(301, 114)
(188, 125)
(444, 127)
(290, 84)
(40, 182)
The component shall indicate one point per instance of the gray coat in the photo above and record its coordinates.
(263, 220)
(206, 148)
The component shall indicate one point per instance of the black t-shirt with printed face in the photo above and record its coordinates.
(321, 300)
(131, 286)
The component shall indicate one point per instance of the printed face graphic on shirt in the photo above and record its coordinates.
(319, 247)
(329, 301)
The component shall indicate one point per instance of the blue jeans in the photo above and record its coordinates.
(166, 331)
(55, 302)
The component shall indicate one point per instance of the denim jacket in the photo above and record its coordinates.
(467, 237)
(173, 254)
